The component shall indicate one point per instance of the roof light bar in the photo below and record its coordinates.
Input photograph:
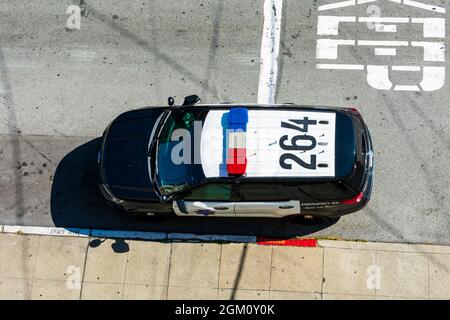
(236, 153)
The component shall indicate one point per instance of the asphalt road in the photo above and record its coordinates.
(59, 89)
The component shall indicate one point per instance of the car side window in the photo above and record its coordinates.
(262, 192)
(211, 192)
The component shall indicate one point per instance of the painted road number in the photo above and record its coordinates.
(378, 75)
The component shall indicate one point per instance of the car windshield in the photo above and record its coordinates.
(175, 167)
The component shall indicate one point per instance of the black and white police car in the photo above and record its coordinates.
(231, 160)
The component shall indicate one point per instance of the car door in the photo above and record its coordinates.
(265, 200)
(211, 199)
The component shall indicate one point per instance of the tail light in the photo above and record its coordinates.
(357, 199)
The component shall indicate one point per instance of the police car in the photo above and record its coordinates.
(245, 160)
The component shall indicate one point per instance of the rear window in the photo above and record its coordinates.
(345, 155)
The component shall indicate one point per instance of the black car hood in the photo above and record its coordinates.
(125, 162)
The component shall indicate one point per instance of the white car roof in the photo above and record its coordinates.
(263, 150)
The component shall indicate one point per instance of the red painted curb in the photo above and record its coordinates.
(287, 242)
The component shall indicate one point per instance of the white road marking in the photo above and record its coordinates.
(424, 6)
(340, 66)
(432, 27)
(337, 5)
(270, 45)
(328, 48)
(329, 25)
(385, 51)
(378, 77)
(410, 3)
(406, 88)
(406, 68)
(384, 19)
(380, 27)
(433, 78)
(432, 51)
(382, 43)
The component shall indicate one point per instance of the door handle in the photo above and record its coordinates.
(286, 207)
(221, 208)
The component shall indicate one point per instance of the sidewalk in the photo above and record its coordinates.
(63, 267)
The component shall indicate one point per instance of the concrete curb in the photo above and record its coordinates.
(47, 231)
(142, 235)
(210, 238)
(153, 236)
(288, 242)
(198, 238)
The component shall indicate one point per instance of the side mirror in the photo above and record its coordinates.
(191, 100)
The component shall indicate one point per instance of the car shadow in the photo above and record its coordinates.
(76, 202)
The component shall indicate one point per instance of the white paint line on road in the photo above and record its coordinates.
(328, 48)
(432, 27)
(340, 66)
(348, 3)
(432, 51)
(384, 19)
(406, 88)
(226, 238)
(378, 77)
(424, 6)
(329, 25)
(270, 46)
(406, 68)
(129, 234)
(47, 231)
(337, 5)
(382, 43)
(385, 51)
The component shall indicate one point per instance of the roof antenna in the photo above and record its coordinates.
(171, 101)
